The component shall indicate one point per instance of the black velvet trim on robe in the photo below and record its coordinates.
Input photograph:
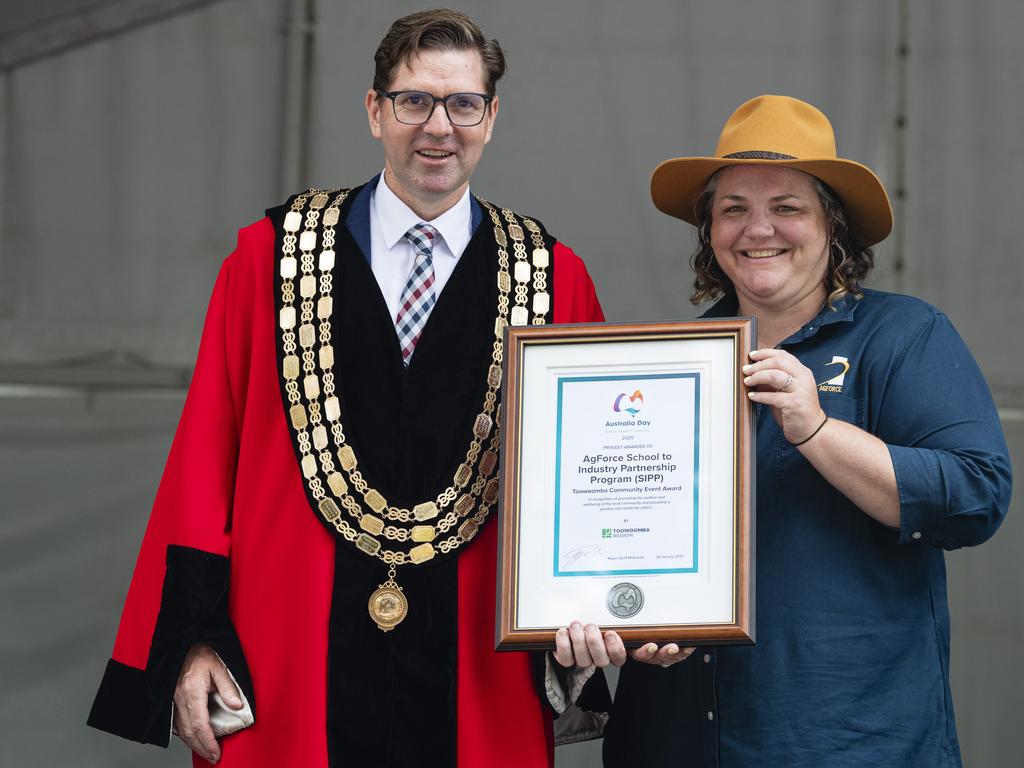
(136, 704)
(122, 706)
(594, 697)
(392, 697)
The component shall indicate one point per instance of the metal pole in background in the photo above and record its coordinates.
(900, 153)
(6, 287)
(299, 29)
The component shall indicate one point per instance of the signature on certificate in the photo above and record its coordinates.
(574, 555)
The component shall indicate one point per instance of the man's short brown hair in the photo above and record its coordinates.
(439, 30)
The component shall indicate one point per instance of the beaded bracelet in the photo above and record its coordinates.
(812, 433)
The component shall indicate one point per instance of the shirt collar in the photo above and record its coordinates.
(842, 311)
(396, 218)
(727, 306)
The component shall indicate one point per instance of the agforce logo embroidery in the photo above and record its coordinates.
(835, 384)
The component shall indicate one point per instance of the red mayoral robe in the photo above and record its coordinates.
(234, 555)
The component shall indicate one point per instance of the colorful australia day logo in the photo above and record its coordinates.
(631, 404)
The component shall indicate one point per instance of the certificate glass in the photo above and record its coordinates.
(626, 486)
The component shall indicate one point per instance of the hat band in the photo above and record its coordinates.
(757, 155)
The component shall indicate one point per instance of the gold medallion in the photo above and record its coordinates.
(388, 605)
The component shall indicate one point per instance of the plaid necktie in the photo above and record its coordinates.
(418, 295)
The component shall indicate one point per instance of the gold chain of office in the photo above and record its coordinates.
(307, 257)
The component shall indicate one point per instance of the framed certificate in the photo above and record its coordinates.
(627, 483)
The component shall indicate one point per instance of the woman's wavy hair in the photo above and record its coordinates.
(850, 260)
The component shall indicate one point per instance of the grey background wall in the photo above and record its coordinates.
(136, 136)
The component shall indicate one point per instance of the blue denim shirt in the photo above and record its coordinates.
(851, 663)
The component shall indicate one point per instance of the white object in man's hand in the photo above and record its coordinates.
(202, 674)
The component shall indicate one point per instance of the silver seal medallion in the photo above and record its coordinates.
(625, 600)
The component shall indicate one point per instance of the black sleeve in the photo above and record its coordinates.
(136, 703)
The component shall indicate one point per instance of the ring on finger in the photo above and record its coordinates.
(789, 382)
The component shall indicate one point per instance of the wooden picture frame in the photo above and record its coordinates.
(627, 483)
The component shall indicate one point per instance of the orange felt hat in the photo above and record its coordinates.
(778, 130)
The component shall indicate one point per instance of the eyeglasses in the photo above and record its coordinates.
(416, 107)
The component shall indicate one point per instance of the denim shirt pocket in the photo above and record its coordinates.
(789, 460)
(842, 407)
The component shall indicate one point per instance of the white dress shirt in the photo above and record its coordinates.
(392, 256)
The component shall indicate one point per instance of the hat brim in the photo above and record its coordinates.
(676, 184)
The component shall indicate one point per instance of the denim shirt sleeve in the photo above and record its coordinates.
(941, 427)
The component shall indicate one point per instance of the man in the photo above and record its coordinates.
(319, 537)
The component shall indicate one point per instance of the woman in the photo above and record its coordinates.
(878, 446)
